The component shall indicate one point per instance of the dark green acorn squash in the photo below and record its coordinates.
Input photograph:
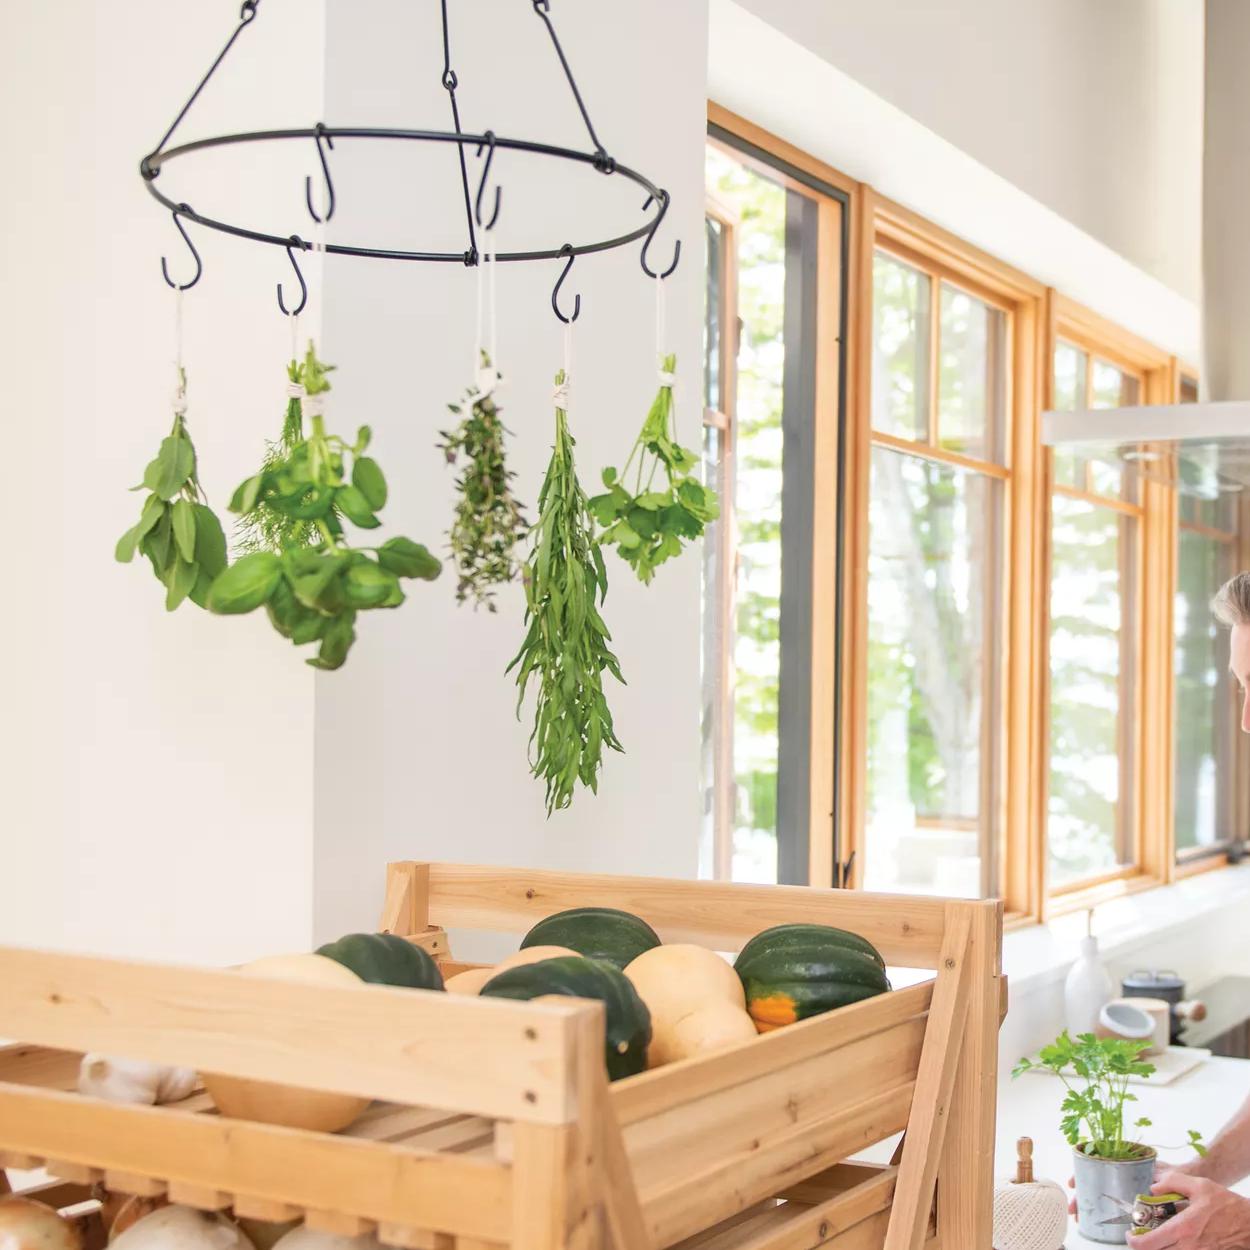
(385, 959)
(794, 971)
(597, 933)
(628, 1023)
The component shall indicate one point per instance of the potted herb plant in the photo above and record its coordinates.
(1110, 1168)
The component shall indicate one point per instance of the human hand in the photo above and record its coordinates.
(1216, 1218)
(1192, 1168)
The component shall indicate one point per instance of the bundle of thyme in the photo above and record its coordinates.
(647, 525)
(489, 522)
(566, 646)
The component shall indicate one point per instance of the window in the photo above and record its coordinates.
(936, 511)
(1094, 594)
(768, 341)
(1206, 709)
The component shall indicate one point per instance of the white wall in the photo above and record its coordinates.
(1093, 109)
(155, 772)
(419, 753)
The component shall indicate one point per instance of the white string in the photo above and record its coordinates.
(294, 336)
(561, 392)
(659, 318)
(486, 376)
(180, 389)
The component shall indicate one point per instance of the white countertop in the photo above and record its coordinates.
(1202, 1099)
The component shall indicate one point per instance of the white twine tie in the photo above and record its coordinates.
(666, 377)
(561, 392)
(180, 389)
(486, 376)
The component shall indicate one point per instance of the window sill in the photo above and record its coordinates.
(1041, 955)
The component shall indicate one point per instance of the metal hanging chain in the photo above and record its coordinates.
(247, 12)
(451, 82)
(603, 162)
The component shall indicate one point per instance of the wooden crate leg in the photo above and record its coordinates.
(5, 1187)
(618, 1192)
(965, 1203)
(406, 909)
(927, 1125)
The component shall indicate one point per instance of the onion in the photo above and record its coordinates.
(305, 1238)
(133, 1080)
(183, 1228)
(132, 1211)
(29, 1225)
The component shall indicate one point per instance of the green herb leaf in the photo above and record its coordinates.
(168, 473)
(367, 585)
(405, 558)
(184, 529)
(246, 584)
(351, 502)
(368, 479)
(210, 541)
(245, 497)
(182, 578)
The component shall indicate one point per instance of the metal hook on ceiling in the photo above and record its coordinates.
(488, 142)
(655, 225)
(566, 250)
(321, 133)
(296, 241)
(186, 238)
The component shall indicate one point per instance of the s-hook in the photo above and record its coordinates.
(321, 133)
(296, 241)
(488, 142)
(186, 238)
(566, 250)
(655, 225)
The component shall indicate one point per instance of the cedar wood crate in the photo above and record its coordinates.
(494, 1123)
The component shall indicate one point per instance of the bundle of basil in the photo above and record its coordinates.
(566, 645)
(489, 522)
(313, 589)
(645, 525)
(177, 530)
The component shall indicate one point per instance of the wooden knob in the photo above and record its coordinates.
(1024, 1161)
(1192, 1009)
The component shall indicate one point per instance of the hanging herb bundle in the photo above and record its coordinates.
(648, 525)
(266, 528)
(566, 647)
(313, 590)
(177, 530)
(489, 523)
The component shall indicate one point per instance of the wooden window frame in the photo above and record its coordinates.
(825, 864)
(891, 228)
(1038, 317)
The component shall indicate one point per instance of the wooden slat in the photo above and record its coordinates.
(252, 1207)
(466, 1132)
(618, 1180)
(59, 1194)
(338, 1222)
(415, 1238)
(40, 1065)
(926, 1126)
(389, 1122)
(75, 1170)
(130, 1183)
(479, 1055)
(654, 1092)
(836, 1180)
(405, 909)
(19, 1162)
(402, 1186)
(738, 1180)
(698, 1134)
(189, 1194)
(906, 929)
(799, 1226)
(432, 940)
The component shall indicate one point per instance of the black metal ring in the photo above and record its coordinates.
(152, 164)
(450, 81)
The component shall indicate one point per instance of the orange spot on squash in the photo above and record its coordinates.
(772, 1012)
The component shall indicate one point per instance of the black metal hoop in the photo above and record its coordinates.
(152, 165)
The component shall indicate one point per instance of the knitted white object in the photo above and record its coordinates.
(1031, 1216)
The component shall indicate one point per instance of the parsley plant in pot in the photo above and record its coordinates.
(1107, 1164)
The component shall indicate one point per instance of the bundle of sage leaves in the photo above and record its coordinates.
(566, 645)
(177, 530)
(489, 523)
(645, 523)
(314, 586)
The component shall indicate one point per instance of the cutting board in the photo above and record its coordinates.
(1172, 1064)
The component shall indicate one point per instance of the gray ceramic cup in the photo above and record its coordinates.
(1098, 1178)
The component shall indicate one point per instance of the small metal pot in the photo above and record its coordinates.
(1099, 1180)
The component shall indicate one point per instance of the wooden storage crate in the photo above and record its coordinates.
(494, 1124)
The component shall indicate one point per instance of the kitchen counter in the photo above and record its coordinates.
(1202, 1099)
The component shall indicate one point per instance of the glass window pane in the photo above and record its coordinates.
(752, 650)
(1205, 709)
(713, 331)
(1189, 390)
(1070, 369)
(716, 727)
(933, 584)
(1092, 640)
(1111, 388)
(900, 352)
(972, 376)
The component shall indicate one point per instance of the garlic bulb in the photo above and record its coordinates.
(133, 1080)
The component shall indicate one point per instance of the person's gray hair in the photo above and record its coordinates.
(1231, 604)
